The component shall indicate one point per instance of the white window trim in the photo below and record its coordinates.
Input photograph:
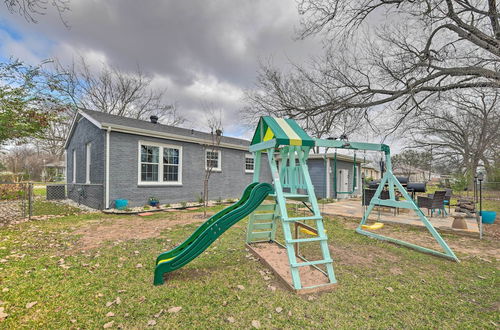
(249, 156)
(219, 160)
(160, 165)
(88, 151)
(74, 166)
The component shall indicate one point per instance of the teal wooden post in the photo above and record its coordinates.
(325, 251)
(280, 199)
(256, 165)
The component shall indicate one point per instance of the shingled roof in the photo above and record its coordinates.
(143, 127)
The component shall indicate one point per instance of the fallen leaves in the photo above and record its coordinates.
(138, 266)
(31, 304)
(231, 319)
(174, 309)
(151, 323)
(3, 315)
(157, 315)
(278, 309)
(241, 287)
(389, 289)
(110, 314)
(108, 325)
(256, 324)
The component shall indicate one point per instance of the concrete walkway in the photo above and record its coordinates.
(352, 208)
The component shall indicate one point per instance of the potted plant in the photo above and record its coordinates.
(154, 202)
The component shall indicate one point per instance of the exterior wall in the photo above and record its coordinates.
(371, 173)
(343, 165)
(317, 173)
(124, 167)
(84, 133)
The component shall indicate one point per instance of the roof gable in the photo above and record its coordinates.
(285, 131)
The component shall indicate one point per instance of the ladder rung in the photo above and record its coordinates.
(261, 233)
(314, 217)
(263, 216)
(310, 263)
(262, 225)
(266, 207)
(305, 240)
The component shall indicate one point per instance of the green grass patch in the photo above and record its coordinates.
(41, 207)
(72, 288)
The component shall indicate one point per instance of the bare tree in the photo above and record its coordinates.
(285, 93)
(117, 92)
(409, 160)
(211, 151)
(30, 9)
(418, 50)
(463, 130)
(108, 89)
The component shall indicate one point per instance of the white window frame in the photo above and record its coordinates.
(74, 166)
(219, 160)
(160, 181)
(88, 159)
(249, 156)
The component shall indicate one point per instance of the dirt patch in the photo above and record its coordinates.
(133, 227)
(354, 256)
(276, 257)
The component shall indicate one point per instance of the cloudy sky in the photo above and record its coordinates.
(201, 51)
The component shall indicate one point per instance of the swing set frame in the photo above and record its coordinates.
(393, 183)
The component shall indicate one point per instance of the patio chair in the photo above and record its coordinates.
(433, 202)
(369, 193)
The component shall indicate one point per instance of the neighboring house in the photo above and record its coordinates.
(414, 174)
(112, 157)
(370, 171)
(55, 171)
(346, 184)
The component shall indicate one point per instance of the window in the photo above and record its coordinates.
(249, 163)
(149, 163)
(213, 160)
(159, 164)
(73, 166)
(170, 164)
(88, 149)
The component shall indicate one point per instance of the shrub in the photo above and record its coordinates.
(183, 204)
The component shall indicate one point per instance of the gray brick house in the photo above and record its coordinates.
(114, 157)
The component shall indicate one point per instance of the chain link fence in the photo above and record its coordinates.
(28, 200)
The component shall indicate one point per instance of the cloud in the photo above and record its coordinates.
(201, 51)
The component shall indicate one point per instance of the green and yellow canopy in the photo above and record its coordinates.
(285, 131)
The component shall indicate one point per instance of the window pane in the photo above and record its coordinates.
(150, 154)
(171, 173)
(170, 156)
(212, 159)
(249, 164)
(149, 172)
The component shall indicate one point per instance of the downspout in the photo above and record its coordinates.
(108, 133)
(328, 170)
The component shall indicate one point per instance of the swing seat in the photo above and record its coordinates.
(308, 232)
(375, 226)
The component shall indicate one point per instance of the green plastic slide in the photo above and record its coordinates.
(210, 230)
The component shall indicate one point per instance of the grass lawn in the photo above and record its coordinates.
(79, 285)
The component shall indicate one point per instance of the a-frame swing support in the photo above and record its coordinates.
(392, 182)
(285, 137)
